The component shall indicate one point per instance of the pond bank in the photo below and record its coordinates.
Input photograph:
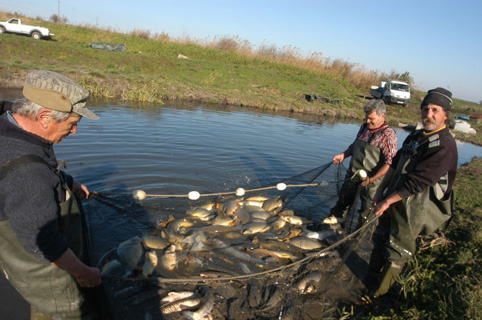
(117, 89)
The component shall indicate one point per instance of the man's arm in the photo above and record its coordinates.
(382, 206)
(380, 173)
(340, 157)
(86, 276)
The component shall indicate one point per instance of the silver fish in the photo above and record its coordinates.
(179, 225)
(176, 295)
(255, 227)
(181, 305)
(150, 262)
(199, 212)
(154, 242)
(169, 259)
(263, 215)
(273, 205)
(230, 207)
(242, 215)
(220, 246)
(110, 267)
(308, 283)
(295, 220)
(130, 252)
(319, 235)
(305, 243)
(205, 309)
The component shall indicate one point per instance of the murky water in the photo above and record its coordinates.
(175, 149)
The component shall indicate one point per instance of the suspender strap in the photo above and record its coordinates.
(20, 161)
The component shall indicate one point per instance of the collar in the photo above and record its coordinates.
(431, 132)
(11, 119)
(380, 127)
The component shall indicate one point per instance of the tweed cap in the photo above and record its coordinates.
(54, 91)
(439, 96)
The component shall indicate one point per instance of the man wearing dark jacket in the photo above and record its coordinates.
(40, 226)
(418, 198)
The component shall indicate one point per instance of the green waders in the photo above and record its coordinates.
(396, 234)
(51, 291)
(367, 157)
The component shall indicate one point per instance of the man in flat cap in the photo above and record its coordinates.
(40, 224)
(415, 197)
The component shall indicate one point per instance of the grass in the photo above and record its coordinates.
(223, 70)
(443, 280)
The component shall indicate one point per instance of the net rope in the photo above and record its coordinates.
(280, 291)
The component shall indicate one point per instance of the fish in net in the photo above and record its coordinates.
(257, 252)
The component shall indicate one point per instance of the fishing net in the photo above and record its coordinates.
(256, 252)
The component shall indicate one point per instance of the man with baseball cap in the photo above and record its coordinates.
(415, 197)
(41, 251)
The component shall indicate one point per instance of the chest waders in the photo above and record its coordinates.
(419, 214)
(367, 157)
(50, 290)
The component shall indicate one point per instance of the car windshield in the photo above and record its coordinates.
(400, 87)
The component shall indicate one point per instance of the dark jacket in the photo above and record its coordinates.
(30, 195)
(437, 159)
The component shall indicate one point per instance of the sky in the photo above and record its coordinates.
(438, 42)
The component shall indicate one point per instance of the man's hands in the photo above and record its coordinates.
(89, 278)
(338, 158)
(80, 191)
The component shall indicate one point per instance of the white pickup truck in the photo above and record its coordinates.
(15, 25)
(392, 91)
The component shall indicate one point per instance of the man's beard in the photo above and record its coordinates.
(429, 124)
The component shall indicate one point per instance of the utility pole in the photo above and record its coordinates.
(59, 10)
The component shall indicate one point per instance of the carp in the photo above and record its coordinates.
(154, 242)
(169, 260)
(305, 243)
(130, 252)
(307, 284)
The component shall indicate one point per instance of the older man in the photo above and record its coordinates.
(40, 224)
(419, 196)
(373, 149)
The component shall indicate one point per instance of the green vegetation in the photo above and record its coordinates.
(224, 70)
(443, 280)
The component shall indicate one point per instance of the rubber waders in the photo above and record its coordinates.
(377, 261)
(390, 272)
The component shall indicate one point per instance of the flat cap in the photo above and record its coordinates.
(54, 91)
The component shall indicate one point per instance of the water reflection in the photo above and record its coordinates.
(178, 148)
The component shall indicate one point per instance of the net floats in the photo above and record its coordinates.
(363, 174)
(193, 195)
(139, 194)
(281, 186)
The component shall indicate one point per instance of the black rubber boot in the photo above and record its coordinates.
(389, 275)
(377, 261)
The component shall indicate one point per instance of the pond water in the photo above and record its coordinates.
(172, 149)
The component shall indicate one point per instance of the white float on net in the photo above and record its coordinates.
(240, 192)
(139, 194)
(281, 186)
(363, 174)
(193, 195)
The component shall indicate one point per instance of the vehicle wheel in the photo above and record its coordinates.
(2, 29)
(35, 35)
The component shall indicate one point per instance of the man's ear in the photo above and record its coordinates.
(44, 116)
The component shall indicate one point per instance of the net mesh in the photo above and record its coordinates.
(261, 252)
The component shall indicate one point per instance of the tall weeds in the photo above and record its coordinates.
(356, 74)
